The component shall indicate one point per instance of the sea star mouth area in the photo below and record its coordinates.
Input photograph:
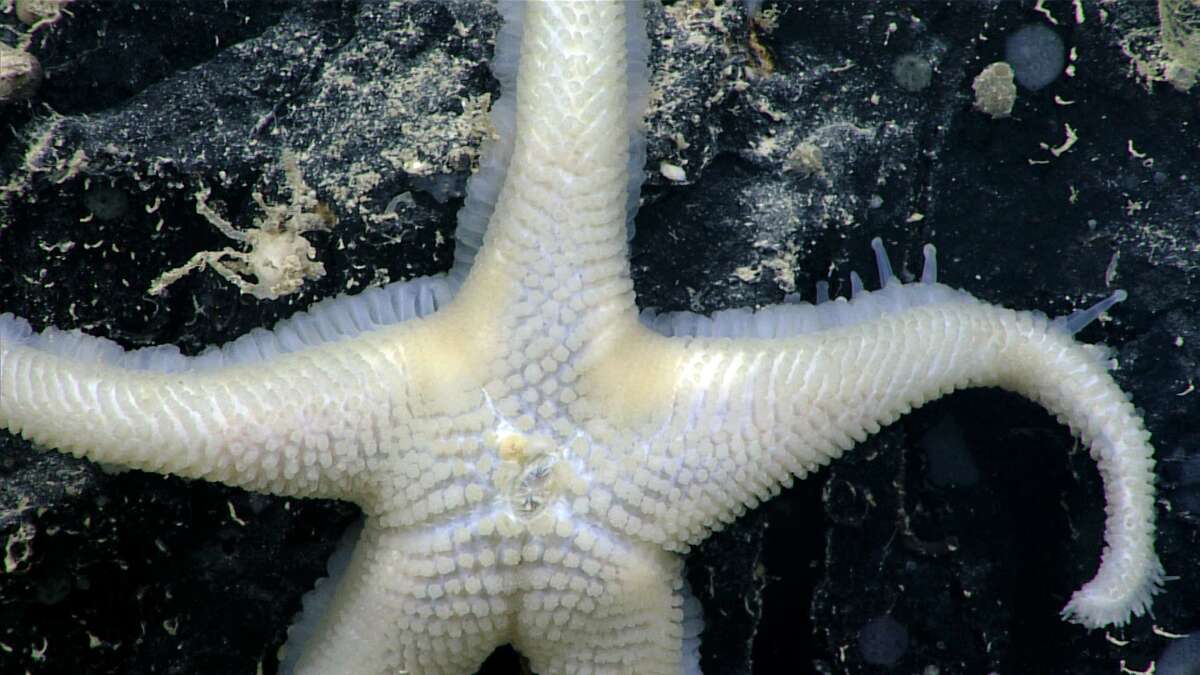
(534, 486)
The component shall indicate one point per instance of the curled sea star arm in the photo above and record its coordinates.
(751, 413)
(303, 410)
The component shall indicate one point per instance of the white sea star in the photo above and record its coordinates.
(531, 458)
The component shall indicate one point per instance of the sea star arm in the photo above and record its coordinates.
(400, 606)
(634, 604)
(302, 410)
(752, 413)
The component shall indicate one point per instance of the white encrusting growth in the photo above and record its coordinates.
(530, 457)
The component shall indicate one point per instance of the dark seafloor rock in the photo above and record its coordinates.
(967, 524)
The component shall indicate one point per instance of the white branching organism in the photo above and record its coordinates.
(277, 255)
